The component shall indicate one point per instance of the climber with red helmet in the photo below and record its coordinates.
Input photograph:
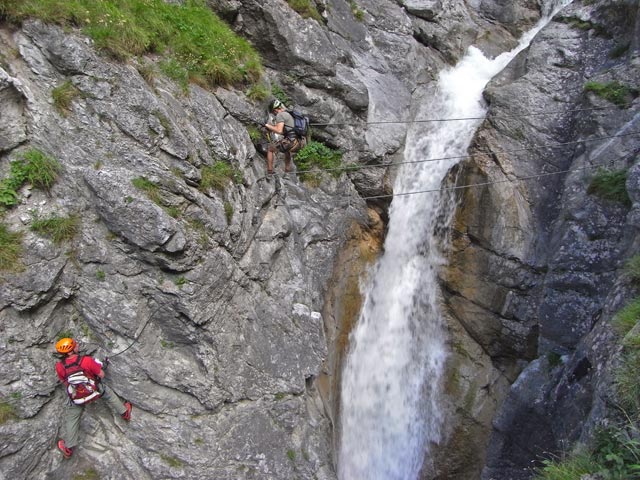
(82, 376)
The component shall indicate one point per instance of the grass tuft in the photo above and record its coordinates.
(627, 318)
(58, 229)
(63, 95)
(151, 190)
(32, 166)
(10, 248)
(306, 9)
(615, 92)
(7, 412)
(610, 185)
(632, 268)
(218, 176)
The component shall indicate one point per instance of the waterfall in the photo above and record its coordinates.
(391, 399)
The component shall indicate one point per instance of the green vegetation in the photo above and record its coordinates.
(291, 455)
(173, 212)
(218, 175)
(63, 95)
(171, 461)
(257, 93)
(615, 451)
(180, 281)
(148, 73)
(151, 190)
(7, 412)
(632, 268)
(626, 378)
(58, 229)
(306, 9)
(10, 248)
(200, 228)
(254, 134)
(201, 46)
(32, 166)
(569, 468)
(357, 12)
(89, 474)
(586, 25)
(280, 94)
(626, 318)
(316, 157)
(610, 185)
(100, 275)
(614, 92)
(228, 211)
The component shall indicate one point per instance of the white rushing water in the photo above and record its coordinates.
(391, 410)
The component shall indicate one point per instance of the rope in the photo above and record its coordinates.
(356, 168)
(484, 184)
(432, 120)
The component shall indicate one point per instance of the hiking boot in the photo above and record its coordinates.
(66, 452)
(127, 413)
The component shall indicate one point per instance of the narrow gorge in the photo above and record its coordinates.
(442, 306)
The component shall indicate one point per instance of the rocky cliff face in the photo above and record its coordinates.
(233, 304)
(536, 267)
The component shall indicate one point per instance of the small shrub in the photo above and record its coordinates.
(180, 281)
(618, 452)
(610, 185)
(58, 229)
(10, 248)
(100, 275)
(316, 157)
(291, 455)
(152, 190)
(614, 92)
(63, 95)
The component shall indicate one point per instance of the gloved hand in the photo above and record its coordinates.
(105, 363)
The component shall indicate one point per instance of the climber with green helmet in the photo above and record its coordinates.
(82, 376)
(286, 141)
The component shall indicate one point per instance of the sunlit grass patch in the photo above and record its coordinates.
(189, 33)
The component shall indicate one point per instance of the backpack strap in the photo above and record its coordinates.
(75, 363)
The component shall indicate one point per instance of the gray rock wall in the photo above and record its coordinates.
(536, 267)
